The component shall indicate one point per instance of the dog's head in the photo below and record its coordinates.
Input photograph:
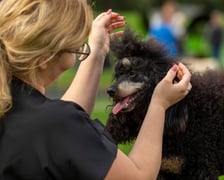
(140, 65)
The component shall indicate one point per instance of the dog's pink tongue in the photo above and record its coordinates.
(120, 105)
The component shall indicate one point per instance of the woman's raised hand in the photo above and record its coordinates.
(102, 31)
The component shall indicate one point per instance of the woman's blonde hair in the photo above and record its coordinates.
(30, 29)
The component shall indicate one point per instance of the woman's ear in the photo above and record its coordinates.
(41, 62)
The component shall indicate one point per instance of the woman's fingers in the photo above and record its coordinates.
(184, 77)
(189, 87)
(110, 20)
(116, 25)
(185, 73)
(171, 74)
(101, 15)
(116, 34)
(117, 18)
(114, 17)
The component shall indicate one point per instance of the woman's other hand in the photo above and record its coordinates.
(102, 31)
(168, 91)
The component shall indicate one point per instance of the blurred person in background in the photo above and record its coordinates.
(215, 34)
(168, 27)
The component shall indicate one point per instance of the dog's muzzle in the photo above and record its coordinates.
(111, 91)
(124, 95)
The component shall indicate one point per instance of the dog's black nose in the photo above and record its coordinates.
(111, 91)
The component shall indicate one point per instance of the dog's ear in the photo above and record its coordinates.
(176, 119)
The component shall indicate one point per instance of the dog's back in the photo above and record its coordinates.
(194, 132)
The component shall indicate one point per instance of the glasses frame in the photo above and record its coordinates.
(81, 55)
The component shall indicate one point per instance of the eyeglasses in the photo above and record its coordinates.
(82, 53)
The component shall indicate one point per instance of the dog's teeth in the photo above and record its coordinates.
(126, 105)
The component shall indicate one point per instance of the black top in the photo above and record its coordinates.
(45, 139)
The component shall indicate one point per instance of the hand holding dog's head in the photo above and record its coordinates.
(168, 92)
(139, 67)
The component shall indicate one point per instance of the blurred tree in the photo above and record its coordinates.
(197, 12)
(122, 5)
(144, 5)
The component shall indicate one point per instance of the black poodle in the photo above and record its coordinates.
(193, 145)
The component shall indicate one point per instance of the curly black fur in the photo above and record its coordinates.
(194, 128)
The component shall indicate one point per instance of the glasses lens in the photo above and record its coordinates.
(83, 52)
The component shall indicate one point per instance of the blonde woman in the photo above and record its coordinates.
(42, 138)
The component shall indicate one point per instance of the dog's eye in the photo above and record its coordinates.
(132, 73)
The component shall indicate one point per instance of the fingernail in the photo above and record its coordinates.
(174, 68)
(109, 11)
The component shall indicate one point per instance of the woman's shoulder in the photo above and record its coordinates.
(58, 106)
(34, 109)
(58, 111)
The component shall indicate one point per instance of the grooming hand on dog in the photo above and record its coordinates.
(149, 141)
(181, 87)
